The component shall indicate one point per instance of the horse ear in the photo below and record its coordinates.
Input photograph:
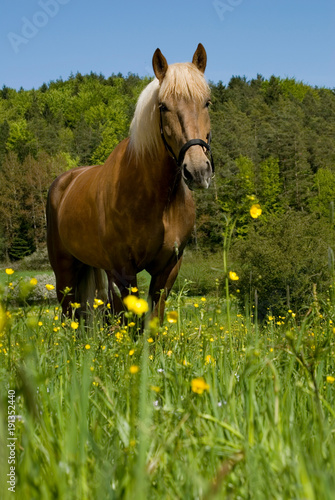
(200, 58)
(160, 65)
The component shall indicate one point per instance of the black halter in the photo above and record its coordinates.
(187, 145)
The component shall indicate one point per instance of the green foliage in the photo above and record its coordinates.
(282, 257)
(324, 187)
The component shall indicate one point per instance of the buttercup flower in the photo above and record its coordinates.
(134, 369)
(136, 305)
(233, 276)
(74, 325)
(9, 271)
(199, 385)
(49, 287)
(33, 281)
(172, 317)
(97, 303)
(255, 211)
(330, 379)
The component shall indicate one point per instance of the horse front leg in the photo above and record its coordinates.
(119, 286)
(160, 287)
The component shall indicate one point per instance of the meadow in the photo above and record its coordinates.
(210, 405)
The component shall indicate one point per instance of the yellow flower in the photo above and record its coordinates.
(134, 369)
(209, 359)
(199, 385)
(74, 325)
(233, 276)
(87, 346)
(172, 317)
(3, 319)
(155, 388)
(97, 303)
(75, 305)
(196, 305)
(169, 353)
(33, 281)
(136, 305)
(134, 289)
(49, 287)
(9, 271)
(203, 299)
(330, 379)
(40, 323)
(255, 211)
(131, 352)
(150, 340)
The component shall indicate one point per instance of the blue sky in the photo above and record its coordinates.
(43, 40)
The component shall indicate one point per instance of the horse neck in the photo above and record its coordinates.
(160, 177)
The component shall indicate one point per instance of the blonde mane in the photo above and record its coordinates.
(183, 80)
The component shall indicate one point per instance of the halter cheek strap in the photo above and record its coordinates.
(187, 145)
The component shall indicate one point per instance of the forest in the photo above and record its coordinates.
(273, 144)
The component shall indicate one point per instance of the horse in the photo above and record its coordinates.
(106, 223)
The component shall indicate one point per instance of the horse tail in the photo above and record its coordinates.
(91, 284)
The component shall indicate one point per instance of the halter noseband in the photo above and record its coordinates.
(187, 145)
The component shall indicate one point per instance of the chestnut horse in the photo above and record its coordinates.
(136, 211)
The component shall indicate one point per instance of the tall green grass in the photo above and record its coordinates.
(194, 409)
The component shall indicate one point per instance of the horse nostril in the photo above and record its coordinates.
(187, 174)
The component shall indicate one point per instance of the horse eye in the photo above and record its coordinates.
(208, 103)
(162, 107)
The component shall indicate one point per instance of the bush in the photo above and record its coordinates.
(39, 261)
(282, 257)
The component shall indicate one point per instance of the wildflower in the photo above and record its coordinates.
(33, 281)
(131, 352)
(209, 359)
(75, 305)
(74, 325)
(9, 271)
(97, 303)
(136, 305)
(330, 379)
(169, 353)
(172, 317)
(134, 369)
(155, 388)
(134, 289)
(196, 305)
(255, 211)
(49, 287)
(131, 324)
(233, 276)
(3, 319)
(199, 385)
(40, 323)
(87, 346)
(203, 299)
(150, 340)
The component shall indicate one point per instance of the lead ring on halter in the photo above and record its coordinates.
(187, 145)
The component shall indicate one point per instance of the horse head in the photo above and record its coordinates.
(184, 99)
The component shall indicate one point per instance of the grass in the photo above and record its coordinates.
(175, 413)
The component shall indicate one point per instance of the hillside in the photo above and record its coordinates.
(273, 144)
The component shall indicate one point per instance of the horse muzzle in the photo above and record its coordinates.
(197, 174)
